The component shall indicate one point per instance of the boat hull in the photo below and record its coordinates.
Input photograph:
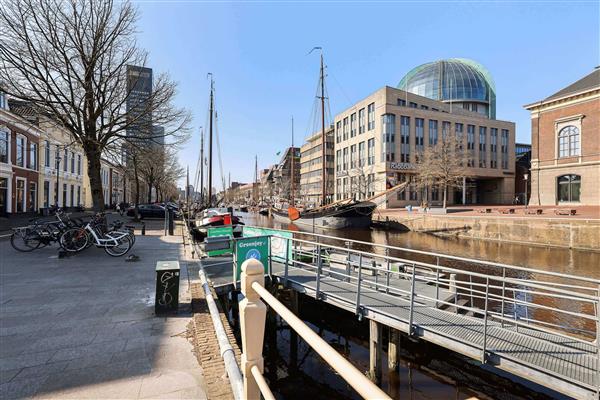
(351, 216)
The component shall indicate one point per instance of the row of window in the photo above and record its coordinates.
(355, 156)
(26, 151)
(69, 160)
(347, 128)
(69, 198)
(388, 139)
(317, 149)
(356, 187)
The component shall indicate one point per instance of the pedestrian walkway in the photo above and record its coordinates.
(84, 326)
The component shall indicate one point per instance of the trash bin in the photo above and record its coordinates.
(167, 287)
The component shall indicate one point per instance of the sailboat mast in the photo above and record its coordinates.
(255, 191)
(292, 194)
(210, 141)
(323, 151)
(201, 167)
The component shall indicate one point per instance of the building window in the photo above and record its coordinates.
(46, 194)
(404, 139)
(79, 164)
(338, 132)
(345, 159)
(419, 134)
(20, 151)
(353, 156)
(494, 147)
(72, 194)
(20, 195)
(361, 121)
(471, 145)
(33, 156)
(412, 105)
(361, 154)
(72, 162)
(371, 116)
(370, 185)
(338, 158)
(445, 129)
(424, 107)
(78, 195)
(433, 132)
(46, 153)
(482, 149)
(371, 152)
(32, 196)
(4, 147)
(353, 125)
(57, 156)
(504, 148)
(345, 131)
(568, 142)
(569, 188)
(388, 122)
(66, 161)
(401, 102)
(64, 196)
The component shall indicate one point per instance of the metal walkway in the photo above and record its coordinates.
(549, 360)
(539, 325)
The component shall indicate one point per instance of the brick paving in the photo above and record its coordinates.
(207, 346)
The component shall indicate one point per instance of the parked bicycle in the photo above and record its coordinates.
(42, 232)
(113, 239)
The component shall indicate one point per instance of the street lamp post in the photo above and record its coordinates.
(58, 158)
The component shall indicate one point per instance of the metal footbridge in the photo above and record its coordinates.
(538, 325)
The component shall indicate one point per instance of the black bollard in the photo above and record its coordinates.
(171, 218)
(143, 228)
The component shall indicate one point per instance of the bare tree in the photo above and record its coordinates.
(443, 164)
(69, 58)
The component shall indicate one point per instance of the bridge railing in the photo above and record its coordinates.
(252, 321)
(556, 307)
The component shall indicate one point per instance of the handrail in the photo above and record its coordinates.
(253, 316)
(472, 260)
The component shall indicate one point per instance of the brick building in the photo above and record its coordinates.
(19, 162)
(565, 137)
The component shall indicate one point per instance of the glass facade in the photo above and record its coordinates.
(504, 148)
(454, 80)
(494, 147)
(482, 147)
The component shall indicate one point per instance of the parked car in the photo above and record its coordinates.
(148, 211)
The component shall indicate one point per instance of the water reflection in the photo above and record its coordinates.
(575, 262)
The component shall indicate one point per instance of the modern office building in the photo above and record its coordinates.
(456, 81)
(378, 139)
(311, 168)
(565, 137)
(139, 92)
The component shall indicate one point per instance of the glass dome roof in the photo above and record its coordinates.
(452, 80)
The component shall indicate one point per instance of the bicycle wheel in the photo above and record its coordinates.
(121, 248)
(24, 240)
(74, 240)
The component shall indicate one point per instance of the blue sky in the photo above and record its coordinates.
(257, 52)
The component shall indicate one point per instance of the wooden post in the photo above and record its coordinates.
(393, 349)
(253, 314)
(294, 307)
(375, 339)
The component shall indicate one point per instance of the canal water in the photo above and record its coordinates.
(425, 372)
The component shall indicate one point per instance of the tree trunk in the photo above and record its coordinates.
(445, 194)
(149, 192)
(94, 166)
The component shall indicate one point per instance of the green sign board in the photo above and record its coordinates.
(220, 231)
(251, 247)
(279, 244)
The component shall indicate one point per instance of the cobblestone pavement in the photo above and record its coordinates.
(84, 326)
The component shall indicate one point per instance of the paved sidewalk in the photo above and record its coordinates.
(84, 326)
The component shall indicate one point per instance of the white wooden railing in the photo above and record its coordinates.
(253, 312)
